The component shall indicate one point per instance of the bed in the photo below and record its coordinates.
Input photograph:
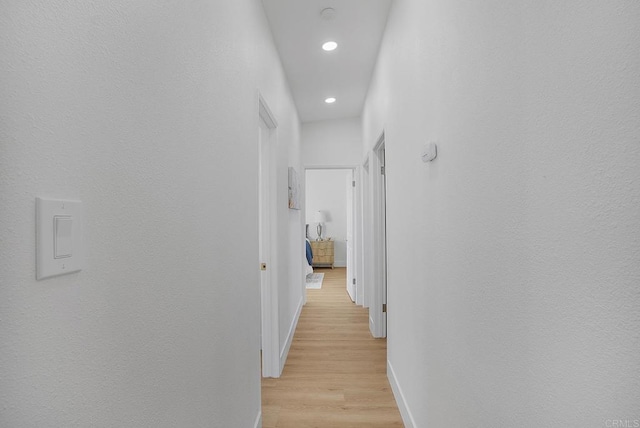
(308, 258)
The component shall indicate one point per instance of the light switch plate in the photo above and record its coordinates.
(59, 248)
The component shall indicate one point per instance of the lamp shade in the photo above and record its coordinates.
(320, 217)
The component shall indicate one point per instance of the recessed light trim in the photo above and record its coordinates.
(330, 100)
(329, 46)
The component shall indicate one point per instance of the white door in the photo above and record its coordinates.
(351, 286)
(268, 290)
(364, 286)
(383, 238)
(378, 308)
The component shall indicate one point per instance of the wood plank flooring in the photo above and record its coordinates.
(335, 375)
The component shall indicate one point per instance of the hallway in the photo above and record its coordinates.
(335, 375)
(513, 257)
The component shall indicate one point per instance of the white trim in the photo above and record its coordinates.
(407, 417)
(363, 293)
(258, 422)
(372, 324)
(265, 113)
(269, 297)
(378, 258)
(350, 261)
(292, 329)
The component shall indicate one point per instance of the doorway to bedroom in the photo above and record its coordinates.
(330, 210)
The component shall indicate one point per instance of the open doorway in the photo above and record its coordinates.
(331, 201)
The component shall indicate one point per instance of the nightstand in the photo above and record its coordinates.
(322, 253)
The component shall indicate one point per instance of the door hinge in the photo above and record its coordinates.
(263, 266)
(384, 308)
(382, 170)
(354, 281)
(353, 183)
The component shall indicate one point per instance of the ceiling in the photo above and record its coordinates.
(299, 30)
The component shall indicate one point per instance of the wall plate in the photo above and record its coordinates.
(59, 246)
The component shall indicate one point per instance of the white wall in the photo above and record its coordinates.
(148, 113)
(332, 142)
(326, 191)
(513, 258)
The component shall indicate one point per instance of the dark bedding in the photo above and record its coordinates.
(309, 253)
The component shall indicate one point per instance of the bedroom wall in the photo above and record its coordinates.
(513, 258)
(147, 112)
(326, 191)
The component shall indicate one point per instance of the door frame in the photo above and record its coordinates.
(365, 243)
(356, 214)
(378, 315)
(350, 240)
(270, 333)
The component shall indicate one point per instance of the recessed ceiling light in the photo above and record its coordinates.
(329, 46)
(330, 100)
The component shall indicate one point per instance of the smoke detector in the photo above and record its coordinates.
(328, 14)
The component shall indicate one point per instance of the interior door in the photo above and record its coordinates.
(383, 232)
(351, 286)
(378, 308)
(263, 237)
(268, 286)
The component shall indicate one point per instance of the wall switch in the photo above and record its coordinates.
(63, 236)
(59, 248)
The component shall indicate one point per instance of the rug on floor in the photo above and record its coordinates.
(314, 280)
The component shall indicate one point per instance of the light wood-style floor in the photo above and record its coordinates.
(335, 375)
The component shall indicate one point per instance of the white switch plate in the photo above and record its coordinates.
(67, 242)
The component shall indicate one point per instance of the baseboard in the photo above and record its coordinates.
(292, 329)
(372, 325)
(258, 423)
(407, 417)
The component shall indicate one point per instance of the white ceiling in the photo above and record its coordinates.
(299, 32)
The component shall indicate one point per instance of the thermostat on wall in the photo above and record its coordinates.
(59, 248)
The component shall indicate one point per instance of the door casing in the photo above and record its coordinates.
(377, 310)
(267, 241)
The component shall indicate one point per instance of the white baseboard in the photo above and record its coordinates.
(258, 423)
(407, 417)
(372, 325)
(292, 329)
